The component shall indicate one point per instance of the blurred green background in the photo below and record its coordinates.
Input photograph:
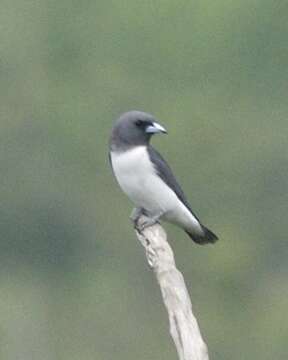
(74, 283)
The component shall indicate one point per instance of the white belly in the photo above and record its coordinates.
(137, 177)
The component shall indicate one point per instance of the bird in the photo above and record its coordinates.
(147, 179)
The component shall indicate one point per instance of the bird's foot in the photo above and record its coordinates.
(135, 215)
(150, 221)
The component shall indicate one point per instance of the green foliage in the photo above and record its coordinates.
(73, 280)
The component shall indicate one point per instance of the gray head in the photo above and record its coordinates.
(133, 128)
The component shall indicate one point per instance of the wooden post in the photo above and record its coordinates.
(184, 328)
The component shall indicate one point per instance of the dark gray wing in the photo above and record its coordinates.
(167, 176)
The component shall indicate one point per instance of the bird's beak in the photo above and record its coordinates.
(155, 128)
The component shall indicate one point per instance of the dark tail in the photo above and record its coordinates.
(207, 236)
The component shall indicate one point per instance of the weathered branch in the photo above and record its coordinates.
(183, 324)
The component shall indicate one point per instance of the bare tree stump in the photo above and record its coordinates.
(184, 328)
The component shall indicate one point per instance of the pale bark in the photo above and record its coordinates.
(184, 328)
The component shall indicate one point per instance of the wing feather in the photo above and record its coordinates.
(166, 174)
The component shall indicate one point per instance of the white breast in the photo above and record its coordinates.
(137, 177)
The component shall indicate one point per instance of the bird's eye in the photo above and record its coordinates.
(138, 122)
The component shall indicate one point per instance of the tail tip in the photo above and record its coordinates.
(208, 237)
